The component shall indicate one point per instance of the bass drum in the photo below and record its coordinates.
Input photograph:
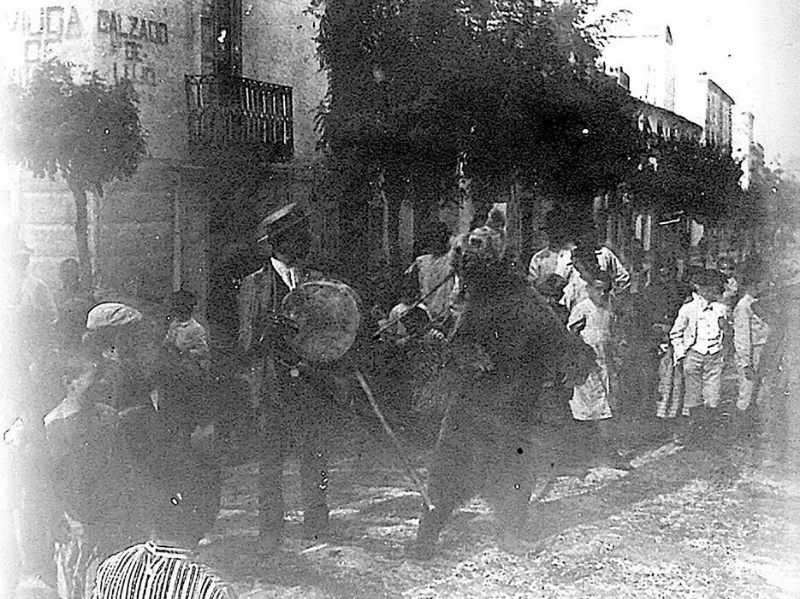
(327, 316)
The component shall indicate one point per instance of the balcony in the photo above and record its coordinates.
(226, 113)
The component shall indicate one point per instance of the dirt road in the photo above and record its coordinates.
(684, 522)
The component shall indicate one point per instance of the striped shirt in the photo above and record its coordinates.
(151, 571)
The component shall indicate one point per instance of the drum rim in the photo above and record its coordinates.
(341, 287)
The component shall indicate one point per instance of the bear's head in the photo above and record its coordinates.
(483, 249)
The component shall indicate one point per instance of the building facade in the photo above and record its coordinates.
(745, 148)
(228, 96)
(666, 124)
(703, 101)
(645, 53)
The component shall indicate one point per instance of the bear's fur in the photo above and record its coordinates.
(507, 344)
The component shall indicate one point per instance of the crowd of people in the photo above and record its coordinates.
(677, 338)
(684, 344)
(104, 420)
(109, 419)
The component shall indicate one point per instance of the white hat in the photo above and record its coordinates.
(111, 315)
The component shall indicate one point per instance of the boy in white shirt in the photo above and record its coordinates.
(184, 333)
(696, 338)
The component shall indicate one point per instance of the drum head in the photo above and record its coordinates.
(327, 317)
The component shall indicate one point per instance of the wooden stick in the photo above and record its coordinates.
(407, 465)
(391, 323)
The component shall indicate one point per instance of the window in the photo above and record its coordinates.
(220, 38)
(207, 46)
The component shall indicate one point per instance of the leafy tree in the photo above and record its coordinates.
(773, 193)
(685, 175)
(511, 86)
(87, 131)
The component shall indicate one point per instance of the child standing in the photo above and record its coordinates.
(696, 337)
(184, 333)
(750, 333)
(592, 319)
(183, 379)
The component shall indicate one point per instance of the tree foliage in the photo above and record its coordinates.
(512, 84)
(774, 194)
(510, 89)
(686, 175)
(87, 131)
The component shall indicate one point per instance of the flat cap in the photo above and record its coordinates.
(111, 314)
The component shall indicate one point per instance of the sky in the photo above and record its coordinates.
(750, 47)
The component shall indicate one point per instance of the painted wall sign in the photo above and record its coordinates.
(51, 22)
(132, 27)
(136, 72)
(132, 39)
(131, 34)
(43, 29)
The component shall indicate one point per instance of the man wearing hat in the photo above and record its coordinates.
(112, 332)
(118, 472)
(283, 247)
(292, 395)
(88, 456)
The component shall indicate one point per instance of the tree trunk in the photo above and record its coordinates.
(379, 223)
(82, 235)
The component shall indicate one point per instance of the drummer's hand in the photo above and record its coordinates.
(280, 326)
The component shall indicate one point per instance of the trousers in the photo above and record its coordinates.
(702, 379)
(294, 415)
(746, 386)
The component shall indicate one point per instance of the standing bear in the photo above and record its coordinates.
(507, 343)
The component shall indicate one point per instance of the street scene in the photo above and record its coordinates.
(388, 298)
(684, 525)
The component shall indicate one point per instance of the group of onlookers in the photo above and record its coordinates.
(98, 449)
(671, 346)
(685, 343)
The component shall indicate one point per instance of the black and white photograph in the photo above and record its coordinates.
(399, 299)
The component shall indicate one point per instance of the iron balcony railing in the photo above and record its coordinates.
(227, 111)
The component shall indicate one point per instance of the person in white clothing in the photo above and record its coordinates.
(556, 258)
(750, 333)
(594, 399)
(434, 271)
(697, 337)
(589, 255)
